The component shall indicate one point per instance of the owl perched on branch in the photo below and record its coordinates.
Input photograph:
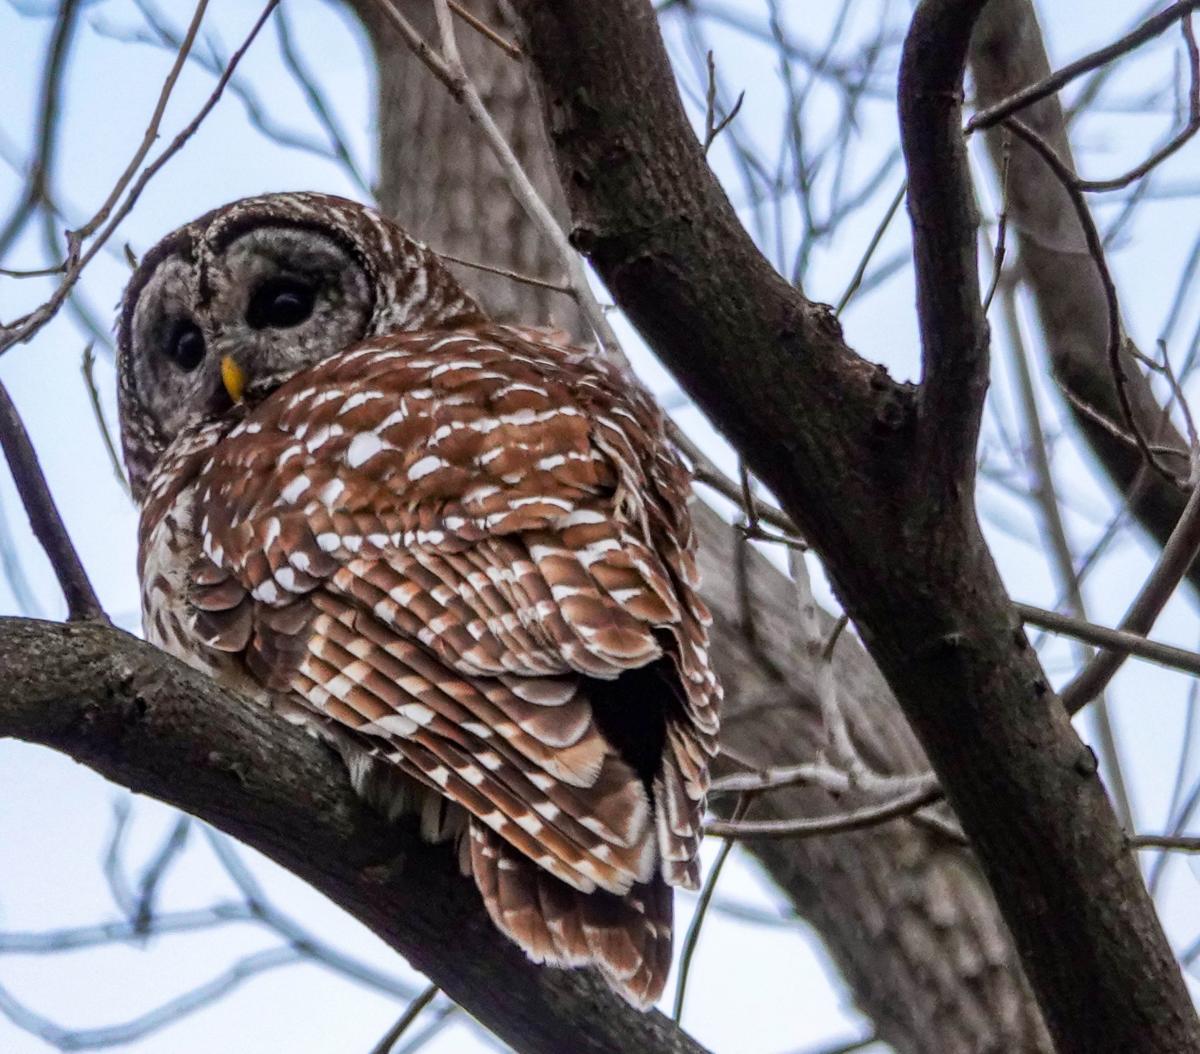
(459, 550)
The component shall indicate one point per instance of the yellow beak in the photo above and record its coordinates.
(234, 377)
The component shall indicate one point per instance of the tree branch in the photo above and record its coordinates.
(834, 439)
(145, 721)
(941, 203)
(82, 602)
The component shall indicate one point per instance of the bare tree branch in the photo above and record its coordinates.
(82, 602)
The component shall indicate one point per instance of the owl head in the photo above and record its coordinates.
(234, 303)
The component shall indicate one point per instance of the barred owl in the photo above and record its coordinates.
(459, 550)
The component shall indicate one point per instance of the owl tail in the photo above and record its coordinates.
(628, 938)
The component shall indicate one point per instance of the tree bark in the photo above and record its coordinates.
(876, 476)
(908, 919)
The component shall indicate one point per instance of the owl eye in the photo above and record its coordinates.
(185, 345)
(280, 303)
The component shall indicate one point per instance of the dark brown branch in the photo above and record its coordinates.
(143, 720)
(82, 602)
(838, 443)
(954, 332)
(1177, 557)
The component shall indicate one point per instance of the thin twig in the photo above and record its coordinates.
(1001, 228)
(1176, 558)
(713, 127)
(411, 1013)
(692, 937)
(819, 774)
(27, 326)
(82, 602)
(1095, 246)
(527, 195)
(1183, 842)
(856, 280)
(1120, 642)
(486, 31)
(316, 101)
(504, 272)
(1148, 30)
(87, 368)
(807, 827)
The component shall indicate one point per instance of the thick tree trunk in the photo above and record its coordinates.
(907, 918)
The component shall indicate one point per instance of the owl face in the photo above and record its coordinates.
(260, 290)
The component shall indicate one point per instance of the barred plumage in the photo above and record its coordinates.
(461, 549)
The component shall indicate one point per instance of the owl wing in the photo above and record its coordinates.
(472, 550)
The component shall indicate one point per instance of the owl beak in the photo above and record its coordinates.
(234, 377)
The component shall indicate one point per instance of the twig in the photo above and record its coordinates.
(1174, 562)
(1177, 141)
(150, 136)
(49, 108)
(156, 870)
(713, 127)
(128, 1031)
(705, 472)
(486, 31)
(1148, 30)
(1183, 842)
(527, 195)
(819, 774)
(411, 1013)
(1114, 429)
(692, 938)
(87, 368)
(316, 101)
(25, 327)
(856, 280)
(82, 602)
(504, 272)
(1001, 230)
(1095, 246)
(819, 652)
(807, 827)
(1120, 642)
